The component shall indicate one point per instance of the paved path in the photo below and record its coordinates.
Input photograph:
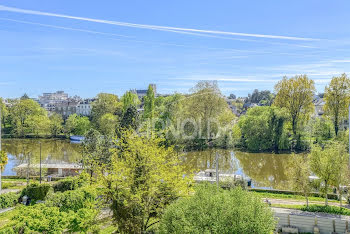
(9, 191)
(6, 209)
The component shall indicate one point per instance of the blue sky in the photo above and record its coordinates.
(87, 47)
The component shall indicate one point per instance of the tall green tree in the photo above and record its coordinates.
(39, 125)
(129, 119)
(337, 97)
(56, 124)
(108, 124)
(299, 171)
(149, 100)
(204, 106)
(143, 179)
(129, 99)
(296, 95)
(3, 112)
(263, 128)
(105, 103)
(326, 163)
(20, 111)
(77, 125)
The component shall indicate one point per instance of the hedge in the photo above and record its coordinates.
(36, 191)
(71, 183)
(8, 200)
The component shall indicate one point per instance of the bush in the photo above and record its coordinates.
(8, 200)
(73, 200)
(213, 210)
(71, 183)
(327, 209)
(36, 191)
(83, 220)
(37, 219)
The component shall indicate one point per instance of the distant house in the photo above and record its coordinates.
(84, 107)
(53, 169)
(319, 107)
(67, 108)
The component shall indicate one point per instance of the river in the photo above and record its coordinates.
(266, 170)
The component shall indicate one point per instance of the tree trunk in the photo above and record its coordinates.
(307, 201)
(340, 196)
(336, 126)
(326, 191)
(0, 180)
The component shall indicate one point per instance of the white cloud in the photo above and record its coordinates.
(154, 27)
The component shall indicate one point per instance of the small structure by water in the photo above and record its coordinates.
(55, 169)
(209, 175)
(77, 139)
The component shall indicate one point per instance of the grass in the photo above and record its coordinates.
(5, 217)
(317, 208)
(290, 196)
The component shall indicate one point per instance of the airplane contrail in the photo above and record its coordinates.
(153, 27)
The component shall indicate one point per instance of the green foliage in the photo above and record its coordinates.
(8, 200)
(327, 209)
(71, 183)
(36, 191)
(77, 125)
(43, 219)
(105, 103)
(130, 117)
(143, 178)
(108, 124)
(263, 97)
(296, 95)
(263, 128)
(337, 97)
(21, 115)
(213, 210)
(323, 130)
(3, 160)
(149, 104)
(129, 99)
(56, 126)
(328, 164)
(73, 200)
(39, 125)
(84, 220)
(39, 219)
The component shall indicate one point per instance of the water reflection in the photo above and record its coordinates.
(53, 151)
(266, 170)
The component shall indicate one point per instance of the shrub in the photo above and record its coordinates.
(8, 200)
(73, 200)
(83, 220)
(327, 209)
(71, 183)
(36, 191)
(213, 210)
(38, 219)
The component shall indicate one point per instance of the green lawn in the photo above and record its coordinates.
(290, 196)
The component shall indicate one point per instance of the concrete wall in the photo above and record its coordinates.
(305, 221)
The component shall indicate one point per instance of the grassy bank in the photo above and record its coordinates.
(317, 208)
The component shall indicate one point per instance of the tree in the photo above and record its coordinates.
(263, 97)
(108, 124)
(211, 210)
(129, 99)
(337, 97)
(3, 112)
(326, 163)
(323, 129)
(262, 128)
(204, 106)
(3, 162)
(299, 172)
(56, 126)
(20, 111)
(143, 179)
(97, 151)
(149, 104)
(232, 96)
(77, 125)
(37, 125)
(105, 103)
(129, 119)
(296, 95)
